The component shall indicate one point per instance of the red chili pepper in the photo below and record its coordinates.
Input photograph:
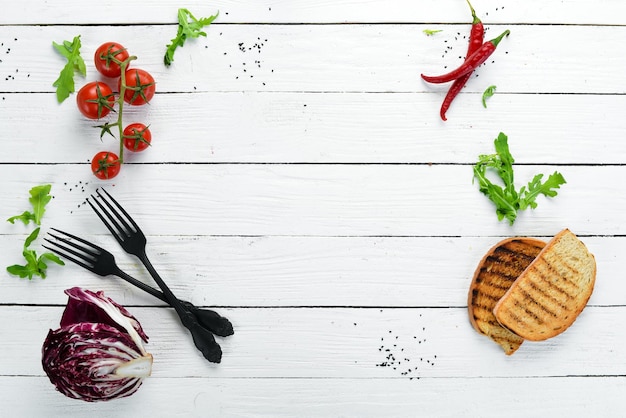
(476, 34)
(475, 42)
(471, 63)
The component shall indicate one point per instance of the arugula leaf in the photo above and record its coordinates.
(75, 63)
(487, 94)
(32, 237)
(188, 27)
(507, 200)
(25, 217)
(535, 188)
(430, 32)
(39, 198)
(35, 265)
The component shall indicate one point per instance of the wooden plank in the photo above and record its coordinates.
(201, 397)
(323, 231)
(299, 271)
(328, 128)
(323, 343)
(331, 58)
(135, 11)
(319, 200)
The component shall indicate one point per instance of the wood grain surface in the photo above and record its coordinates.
(301, 183)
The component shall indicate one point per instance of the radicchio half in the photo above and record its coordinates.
(97, 354)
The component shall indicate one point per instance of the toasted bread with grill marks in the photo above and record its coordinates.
(550, 294)
(495, 274)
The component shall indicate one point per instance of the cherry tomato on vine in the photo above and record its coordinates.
(137, 137)
(95, 100)
(140, 87)
(106, 56)
(105, 165)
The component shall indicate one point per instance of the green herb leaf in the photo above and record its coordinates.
(52, 257)
(39, 198)
(487, 94)
(32, 237)
(25, 217)
(430, 32)
(75, 63)
(188, 27)
(535, 188)
(35, 265)
(507, 200)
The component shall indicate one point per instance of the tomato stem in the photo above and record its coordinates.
(120, 102)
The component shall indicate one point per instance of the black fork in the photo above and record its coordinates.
(133, 241)
(101, 262)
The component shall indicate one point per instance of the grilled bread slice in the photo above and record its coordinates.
(495, 274)
(550, 294)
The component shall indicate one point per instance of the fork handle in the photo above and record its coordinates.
(207, 318)
(202, 338)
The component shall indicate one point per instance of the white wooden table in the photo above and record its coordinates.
(302, 184)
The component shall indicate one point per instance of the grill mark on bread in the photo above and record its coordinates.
(560, 290)
(563, 265)
(479, 300)
(514, 318)
(493, 282)
(515, 250)
(533, 301)
(545, 271)
(547, 295)
(530, 313)
(493, 277)
(486, 309)
(489, 287)
(501, 268)
(511, 258)
(574, 258)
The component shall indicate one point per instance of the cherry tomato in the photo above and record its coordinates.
(140, 87)
(95, 100)
(137, 137)
(105, 165)
(106, 56)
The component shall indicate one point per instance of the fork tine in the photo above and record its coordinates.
(96, 250)
(85, 256)
(128, 217)
(124, 218)
(107, 219)
(65, 251)
(61, 251)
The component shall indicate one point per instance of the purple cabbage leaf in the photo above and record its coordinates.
(97, 354)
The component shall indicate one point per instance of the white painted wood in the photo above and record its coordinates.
(301, 271)
(320, 200)
(332, 58)
(339, 343)
(322, 205)
(453, 397)
(331, 128)
(316, 11)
